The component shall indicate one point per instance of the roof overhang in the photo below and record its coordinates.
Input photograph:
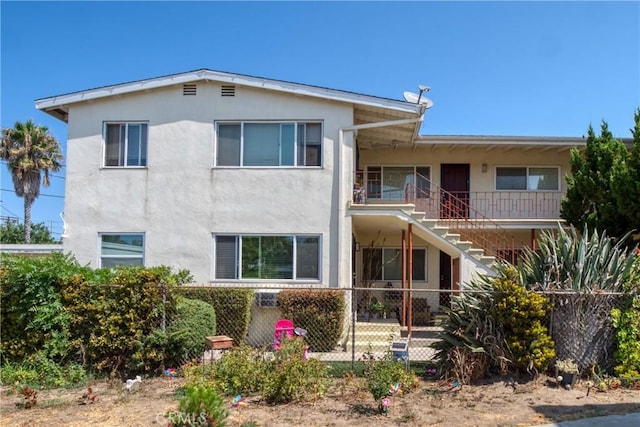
(367, 107)
(505, 143)
(488, 143)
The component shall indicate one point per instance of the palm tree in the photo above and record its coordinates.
(31, 152)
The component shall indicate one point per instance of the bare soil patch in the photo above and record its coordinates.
(347, 403)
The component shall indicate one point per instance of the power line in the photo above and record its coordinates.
(12, 213)
(5, 162)
(41, 194)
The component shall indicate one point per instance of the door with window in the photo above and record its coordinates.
(454, 180)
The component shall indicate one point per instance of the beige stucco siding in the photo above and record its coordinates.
(479, 181)
(180, 199)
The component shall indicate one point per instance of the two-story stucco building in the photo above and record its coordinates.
(247, 181)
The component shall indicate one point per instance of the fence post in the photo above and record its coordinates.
(354, 315)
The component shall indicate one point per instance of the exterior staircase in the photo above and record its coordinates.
(374, 336)
(457, 222)
(445, 232)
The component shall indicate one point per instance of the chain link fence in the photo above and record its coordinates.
(372, 320)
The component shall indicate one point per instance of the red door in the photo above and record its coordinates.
(454, 180)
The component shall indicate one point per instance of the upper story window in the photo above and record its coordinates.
(398, 182)
(121, 249)
(267, 257)
(528, 178)
(125, 144)
(269, 144)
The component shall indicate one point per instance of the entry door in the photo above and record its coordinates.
(445, 279)
(454, 179)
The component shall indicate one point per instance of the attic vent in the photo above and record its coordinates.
(189, 89)
(228, 91)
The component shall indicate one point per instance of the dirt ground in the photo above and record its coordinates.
(494, 403)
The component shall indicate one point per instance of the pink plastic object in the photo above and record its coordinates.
(283, 329)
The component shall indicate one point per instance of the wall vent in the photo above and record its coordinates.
(267, 299)
(228, 91)
(189, 89)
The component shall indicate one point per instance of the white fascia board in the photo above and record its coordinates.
(257, 82)
(501, 140)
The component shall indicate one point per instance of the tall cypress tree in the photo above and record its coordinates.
(596, 173)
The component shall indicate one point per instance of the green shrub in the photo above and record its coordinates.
(199, 406)
(499, 322)
(39, 371)
(626, 323)
(290, 377)
(114, 320)
(232, 306)
(520, 314)
(193, 321)
(385, 375)
(320, 312)
(32, 316)
(240, 371)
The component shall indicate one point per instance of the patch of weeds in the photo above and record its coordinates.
(52, 403)
(408, 417)
(366, 410)
(432, 391)
(250, 423)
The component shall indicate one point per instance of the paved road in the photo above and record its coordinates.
(628, 420)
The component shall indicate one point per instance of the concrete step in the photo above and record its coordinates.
(487, 260)
(452, 237)
(418, 216)
(476, 252)
(380, 325)
(376, 347)
(465, 246)
(375, 335)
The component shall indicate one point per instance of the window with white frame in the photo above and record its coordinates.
(385, 264)
(528, 178)
(393, 182)
(295, 144)
(125, 144)
(121, 249)
(281, 257)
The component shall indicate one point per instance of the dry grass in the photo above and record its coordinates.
(346, 404)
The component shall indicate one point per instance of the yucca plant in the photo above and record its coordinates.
(581, 274)
(470, 341)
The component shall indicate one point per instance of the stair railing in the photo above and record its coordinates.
(455, 211)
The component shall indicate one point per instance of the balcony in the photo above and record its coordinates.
(479, 205)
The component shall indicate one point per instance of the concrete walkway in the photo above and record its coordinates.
(627, 420)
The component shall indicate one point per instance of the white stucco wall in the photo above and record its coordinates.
(179, 200)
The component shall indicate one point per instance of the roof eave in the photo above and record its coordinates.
(62, 102)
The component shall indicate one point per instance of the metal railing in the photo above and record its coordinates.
(517, 204)
(496, 205)
(454, 211)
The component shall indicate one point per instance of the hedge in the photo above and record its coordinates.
(319, 312)
(194, 320)
(232, 307)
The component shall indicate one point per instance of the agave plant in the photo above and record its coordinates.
(470, 341)
(582, 275)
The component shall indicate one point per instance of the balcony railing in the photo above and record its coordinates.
(473, 214)
(496, 205)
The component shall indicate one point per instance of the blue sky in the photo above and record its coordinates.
(495, 68)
